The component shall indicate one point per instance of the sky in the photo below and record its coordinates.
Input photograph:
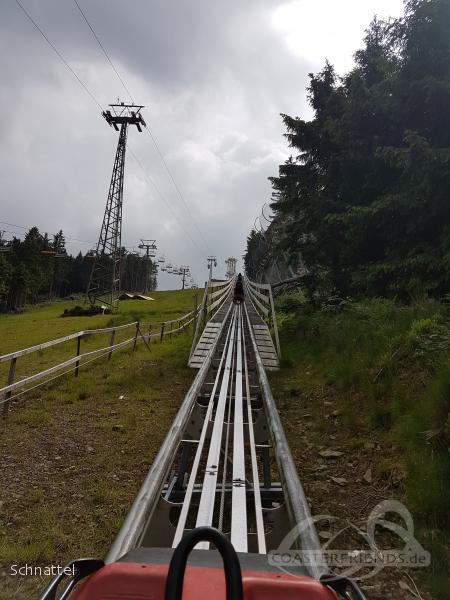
(214, 77)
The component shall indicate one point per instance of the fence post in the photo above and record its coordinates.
(194, 322)
(270, 315)
(199, 319)
(77, 364)
(275, 326)
(136, 336)
(205, 307)
(162, 331)
(111, 343)
(171, 327)
(149, 334)
(10, 380)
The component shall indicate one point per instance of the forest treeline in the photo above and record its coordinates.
(38, 268)
(362, 215)
(364, 202)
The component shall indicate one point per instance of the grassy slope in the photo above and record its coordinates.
(73, 454)
(370, 380)
(42, 323)
(348, 377)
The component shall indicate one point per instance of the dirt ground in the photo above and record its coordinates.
(345, 473)
(73, 457)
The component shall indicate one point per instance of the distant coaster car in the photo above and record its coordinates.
(238, 295)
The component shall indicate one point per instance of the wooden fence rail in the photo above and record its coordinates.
(261, 296)
(13, 389)
(212, 300)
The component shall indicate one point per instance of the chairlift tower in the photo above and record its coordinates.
(150, 250)
(5, 245)
(231, 267)
(104, 282)
(185, 272)
(211, 262)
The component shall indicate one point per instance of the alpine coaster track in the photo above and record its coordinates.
(224, 482)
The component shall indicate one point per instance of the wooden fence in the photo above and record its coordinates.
(158, 331)
(261, 296)
(214, 296)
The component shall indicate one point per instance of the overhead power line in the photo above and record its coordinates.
(26, 227)
(175, 185)
(104, 51)
(163, 160)
(161, 195)
(60, 56)
(92, 96)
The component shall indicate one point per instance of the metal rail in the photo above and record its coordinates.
(134, 526)
(193, 474)
(239, 496)
(211, 472)
(217, 463)
(295, 496)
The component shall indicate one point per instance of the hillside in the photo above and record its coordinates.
(73, 454)
(370, 381)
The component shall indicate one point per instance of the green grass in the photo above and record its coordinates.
(387, 368)
(74, 453)
(37, 324)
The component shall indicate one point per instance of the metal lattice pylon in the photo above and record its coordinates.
(104, 282)
(231, 267)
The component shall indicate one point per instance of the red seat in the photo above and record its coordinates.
(131, 581)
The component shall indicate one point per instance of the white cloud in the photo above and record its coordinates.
(317, 30)
(214, 77)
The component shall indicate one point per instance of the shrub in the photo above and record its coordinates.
(84, 311)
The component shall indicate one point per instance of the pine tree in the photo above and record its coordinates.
(365, 198)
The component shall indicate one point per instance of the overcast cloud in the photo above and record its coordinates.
(214, 76)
